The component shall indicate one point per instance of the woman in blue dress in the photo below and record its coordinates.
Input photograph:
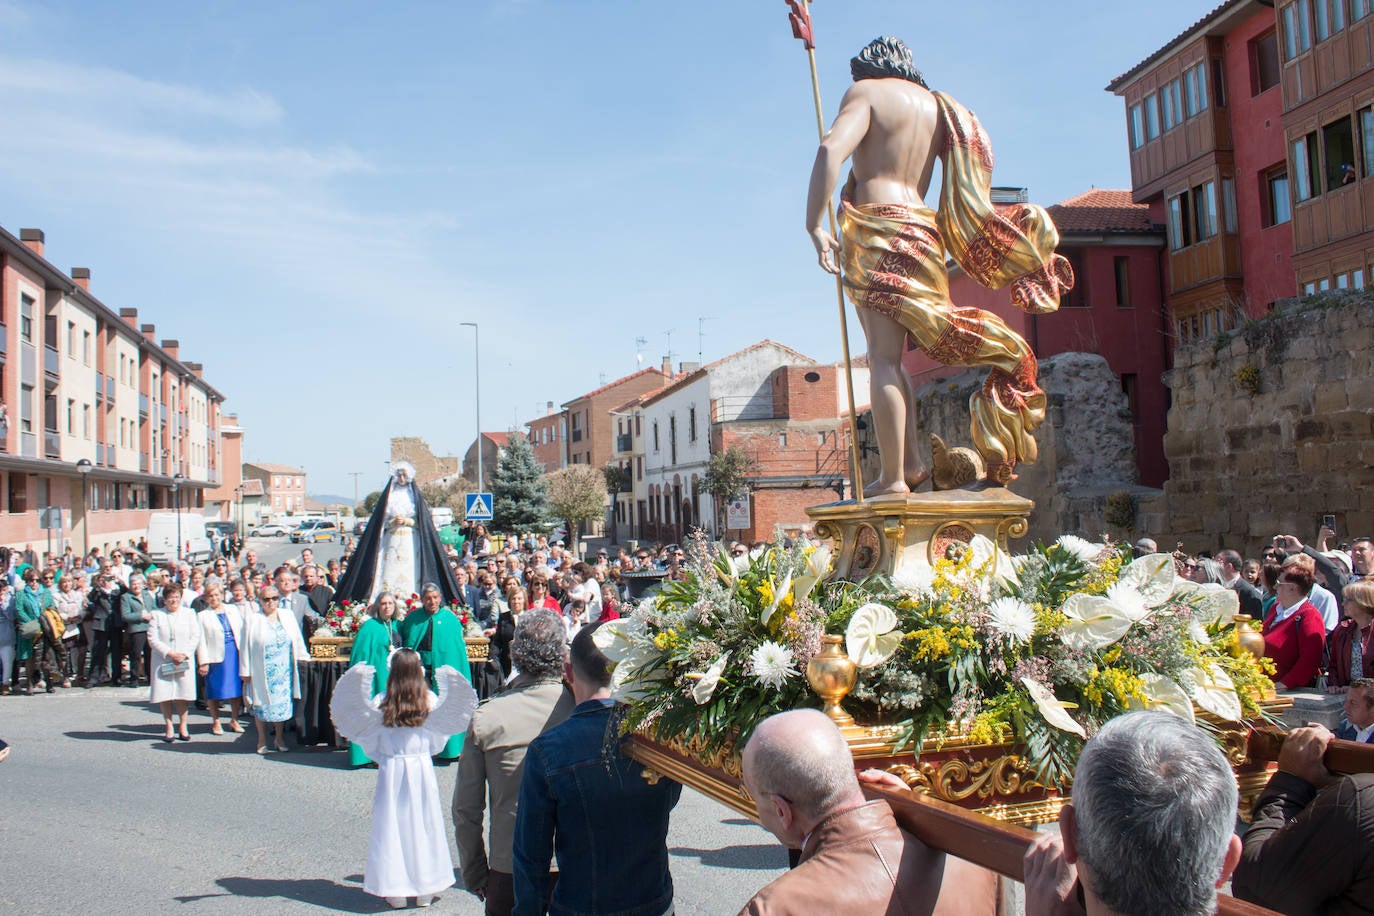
(272, 647)
(222, 631)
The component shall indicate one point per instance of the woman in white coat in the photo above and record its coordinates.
(174, 637)
(221, 627)
(272, 647)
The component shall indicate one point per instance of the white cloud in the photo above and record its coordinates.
(107, 90)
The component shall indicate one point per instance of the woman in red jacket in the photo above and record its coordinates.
(1294, 634)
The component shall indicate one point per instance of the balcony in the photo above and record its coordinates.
(143, 463)
(52, 444)
(143, 404)
(50, 361)
(624, 442)
(4, 340)
(28, 445)
(109, 387)
(99, 390)
(100, 454)
(163, 414)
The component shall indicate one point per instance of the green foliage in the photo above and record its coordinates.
(449, 494)
(728, 473)
(576, 493)
(1120, 511)
(517, 489)
(370, 502)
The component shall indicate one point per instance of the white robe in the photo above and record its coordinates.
(396, 560)
(173, 632)
(408, 852)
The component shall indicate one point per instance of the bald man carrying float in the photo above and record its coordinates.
(854, 857)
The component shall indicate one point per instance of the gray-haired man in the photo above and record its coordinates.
(1150, 828)
(494, 755)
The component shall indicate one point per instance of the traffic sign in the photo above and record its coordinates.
(477, 507)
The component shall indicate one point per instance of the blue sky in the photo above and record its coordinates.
(311, 197)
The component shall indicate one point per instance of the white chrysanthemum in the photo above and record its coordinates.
(771, 663)
(1084, 550)
(1128, 602)
(914, 577)
(1012, 619)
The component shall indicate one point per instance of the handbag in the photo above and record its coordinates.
(169, 670)
(31, 629)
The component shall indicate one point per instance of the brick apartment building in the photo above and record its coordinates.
(223, 500)
(283, 486)
(101, 419)
(1116, 309)
(549, 439)
(1251, 137)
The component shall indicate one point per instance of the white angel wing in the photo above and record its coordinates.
(452, 712)
(352, 707)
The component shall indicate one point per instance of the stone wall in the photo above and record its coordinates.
(428, 466)
(1087, 451)
(1270, 428)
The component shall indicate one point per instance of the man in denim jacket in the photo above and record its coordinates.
(588, 804)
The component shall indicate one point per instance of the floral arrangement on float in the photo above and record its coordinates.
(343, 619)
(1037, 650)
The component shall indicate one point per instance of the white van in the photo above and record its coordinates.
(162, 537)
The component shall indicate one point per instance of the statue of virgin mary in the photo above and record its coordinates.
(399, 549)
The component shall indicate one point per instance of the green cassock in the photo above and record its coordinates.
(438, 638)
(372, 646)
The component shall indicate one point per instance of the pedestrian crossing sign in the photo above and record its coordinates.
(477, 507)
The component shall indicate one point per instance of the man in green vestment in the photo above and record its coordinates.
(372, 646)
(437, 634)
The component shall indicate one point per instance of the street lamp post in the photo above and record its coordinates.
(477, 396)
(176, 496)
(85, 467)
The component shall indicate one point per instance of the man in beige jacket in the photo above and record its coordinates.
(494, 755)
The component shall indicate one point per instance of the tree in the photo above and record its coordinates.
(618, 480)
(727, 476)
(448, 493)
(370, 502)
(517, 489)
(577, 494)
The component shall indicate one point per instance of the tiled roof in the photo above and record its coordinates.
(680, 381)
(635, 401)
(1226, 7)
(273, 468)
(620, 381)
(501, 439)
(253, 488)
(1101, 210)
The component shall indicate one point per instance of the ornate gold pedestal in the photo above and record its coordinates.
(889, 533)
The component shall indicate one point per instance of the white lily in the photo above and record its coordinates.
(706, 683)
(1213, 602)
(1165, 695)
(869, 638)
(817, 567)
(1152, 576)
(1213, 690)
(1094, 622)
(990, 562)
(630, 680)
(1051, 710)
(779, 592)
(618, 639)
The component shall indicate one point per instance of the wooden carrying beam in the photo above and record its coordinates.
(1340, 757)
(983, 841)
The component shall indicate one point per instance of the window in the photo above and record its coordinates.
(86, 347)
(19, 492)
(86, 421)
(1171, 104)
(1122, 266)
(1180, 228)
(71, 339)
(1357, 278)
(1265, 63)
(1305, 167)
(26, 304)
(1219, 82)
(1128, 388)
(1360, 9)
(1151, 117)
(1137, 126)
(1195, 89)
(637, 431)
(1204, 211)
(782, 439)
(1324, 285)
(1297, 28)
(1338, 141)
(655, 435)
(1279, 208)
(1309, 289)
(26, 408)
(639, 467)
(1330, 16)
(672, 439)
(1228, 205)
(71, 417)
(691, 424)
(276, 482)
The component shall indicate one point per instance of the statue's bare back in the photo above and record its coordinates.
(895, 158)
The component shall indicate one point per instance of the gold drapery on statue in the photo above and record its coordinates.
(893, 263)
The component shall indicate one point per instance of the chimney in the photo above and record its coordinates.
(149, 331)
(82, 276)
(548, 409)
(197, 369)
(667, 368)
(34, 239)
(130, 317)
(171, 346)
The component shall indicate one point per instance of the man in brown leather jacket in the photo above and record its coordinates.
(854, 857)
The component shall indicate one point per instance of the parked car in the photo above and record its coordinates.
(315, 529)
(225, 529)
(163, 528)
(272, 530)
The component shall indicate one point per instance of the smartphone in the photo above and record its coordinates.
(1329, 521)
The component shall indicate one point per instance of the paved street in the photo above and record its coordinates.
(100, 816)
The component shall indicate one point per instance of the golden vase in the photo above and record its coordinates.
(832, 674)
(1249, 638)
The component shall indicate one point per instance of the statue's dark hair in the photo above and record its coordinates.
(886, 58)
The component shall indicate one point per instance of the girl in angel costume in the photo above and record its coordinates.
(408, 853)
